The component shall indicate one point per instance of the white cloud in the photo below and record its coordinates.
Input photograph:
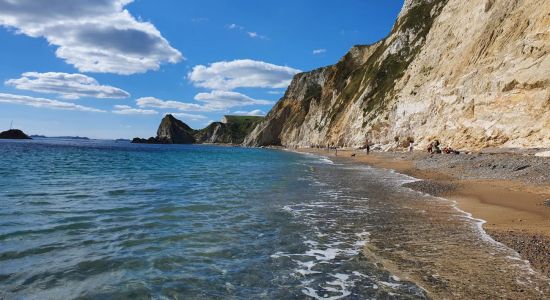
(68, 86)
(42, 102)
(221, 100)
(319, 51)
(255, 112)
(255, 35)
(152, 102)
(127, 110)
(94, 36)
(192, 117)
(275, 92)
(235, 27)
(251, 34)
(212, 101)
(229, 75)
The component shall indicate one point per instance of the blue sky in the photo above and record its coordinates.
(113, 68)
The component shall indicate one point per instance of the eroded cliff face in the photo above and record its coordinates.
(472, 74)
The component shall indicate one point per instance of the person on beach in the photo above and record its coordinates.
(411, 146)
(367, 147)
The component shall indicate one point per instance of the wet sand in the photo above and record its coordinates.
(514, 209)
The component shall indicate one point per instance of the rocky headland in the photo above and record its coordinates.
(14, 134)
(232, 131)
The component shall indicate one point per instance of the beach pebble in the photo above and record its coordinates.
(546, 202)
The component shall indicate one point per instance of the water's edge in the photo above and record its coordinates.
(372, 253)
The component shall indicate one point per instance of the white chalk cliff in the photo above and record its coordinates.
(472, 74)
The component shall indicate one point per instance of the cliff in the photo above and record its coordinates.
(174, 131)
(232, 130)
(14, 134)
(472, 74)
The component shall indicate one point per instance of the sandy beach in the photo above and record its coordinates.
(510, 191)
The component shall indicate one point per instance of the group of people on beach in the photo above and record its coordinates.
(433, 147)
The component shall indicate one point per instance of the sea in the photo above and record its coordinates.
(99, 219)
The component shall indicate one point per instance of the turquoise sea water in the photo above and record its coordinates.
(104, 219)
(112, 220)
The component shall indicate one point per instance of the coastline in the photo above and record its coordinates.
(511, 210)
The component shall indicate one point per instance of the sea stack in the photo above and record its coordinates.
(170, 131)
(14, 134)
(174, 131)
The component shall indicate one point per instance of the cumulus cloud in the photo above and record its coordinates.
(319, 51)
(229, 75)
(46, 103)
(94, 36)
(210, 102)
(152, 102)
(192, 117)
(256, 113)
(220, 100)
(68, 86)
(128, 110)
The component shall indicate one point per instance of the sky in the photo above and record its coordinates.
(113, 68)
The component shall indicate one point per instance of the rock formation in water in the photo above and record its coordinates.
(14, 134)
(472, 74)
(173, 131)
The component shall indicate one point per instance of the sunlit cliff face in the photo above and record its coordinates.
(481, 85)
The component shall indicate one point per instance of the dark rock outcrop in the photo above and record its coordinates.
(150, 140)
(170, 131)
(14, 134)
(174, 131)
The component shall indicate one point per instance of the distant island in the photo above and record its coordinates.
(231, 130)
(60, 137)
(14, 134)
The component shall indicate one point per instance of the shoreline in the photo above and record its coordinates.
(510, 211)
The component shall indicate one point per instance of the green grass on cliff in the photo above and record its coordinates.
(243, 119)
(241, 126)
